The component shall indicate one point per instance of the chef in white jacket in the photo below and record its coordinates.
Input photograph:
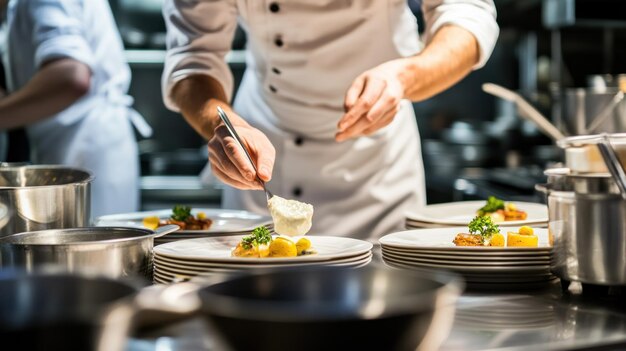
(67, 80)
(325, 103)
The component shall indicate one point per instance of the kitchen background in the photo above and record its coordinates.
(473, 144)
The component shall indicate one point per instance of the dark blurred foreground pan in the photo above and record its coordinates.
(370, 308)
(319, 308)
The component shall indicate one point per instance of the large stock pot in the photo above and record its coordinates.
(587, 211)
(587, 226)
(44, 197)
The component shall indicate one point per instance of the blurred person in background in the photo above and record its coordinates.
(67, 83)
(325, 104)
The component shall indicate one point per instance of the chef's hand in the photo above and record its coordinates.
(229, 162)
(372, 101)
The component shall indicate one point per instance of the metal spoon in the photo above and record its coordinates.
(233, 133)
(613, 164)
(526, 109)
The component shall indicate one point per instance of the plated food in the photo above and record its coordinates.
(182, 217)
(261, 244)
(484, 232)
(500, 211)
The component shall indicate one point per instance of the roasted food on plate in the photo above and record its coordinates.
(182, 217)
(484, 232)
(500, 211)
(261, 244)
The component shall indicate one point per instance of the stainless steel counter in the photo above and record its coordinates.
(547, 319)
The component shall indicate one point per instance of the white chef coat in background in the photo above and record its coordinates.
(302, 57)
(94, 133)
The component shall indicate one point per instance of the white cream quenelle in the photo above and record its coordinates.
(291, 217)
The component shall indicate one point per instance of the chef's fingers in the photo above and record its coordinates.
(264, 154)
(234, 152)
(382, 122)
(374, 88)
(234, 182)
(354, 92)
(364, 127)
(219, 160)
(383, 106)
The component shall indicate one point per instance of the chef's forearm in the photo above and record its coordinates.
(448, 58)
(55, 87)
(198, 97)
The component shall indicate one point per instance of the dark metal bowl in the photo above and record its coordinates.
(371, 308)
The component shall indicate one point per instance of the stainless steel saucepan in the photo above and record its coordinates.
(111, 251)
(44, 197)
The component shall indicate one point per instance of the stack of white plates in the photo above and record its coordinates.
(184, 259)
(225, 223)
(461, 213)
(489, 267)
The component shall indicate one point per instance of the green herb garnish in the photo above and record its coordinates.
(493, 204)
(181, 213)
(483, 226)
(260, 235)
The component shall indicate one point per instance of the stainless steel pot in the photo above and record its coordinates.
(582, 106)
(587, 226)
(60, 311)
(111, 251)
(44, 197)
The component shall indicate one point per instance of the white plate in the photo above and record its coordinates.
(200, 264)
(440, 239)
(164, 261)
(471, 262)
(481, 256)
(218, 249)
(524, 270)
(193, 271)
(461, 213)
(224, 221)
(486, 277)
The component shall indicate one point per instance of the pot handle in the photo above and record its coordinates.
(153, 306)
(166, 229)
(543, 188)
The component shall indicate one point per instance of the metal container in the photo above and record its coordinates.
(110, 251)
(582, 106)
(44, 197)
(587, 227)
(370, 308)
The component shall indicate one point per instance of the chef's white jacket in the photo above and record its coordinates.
(94, 133)
(302, 57)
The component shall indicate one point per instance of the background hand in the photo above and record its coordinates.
(372, 100)
(229, 162)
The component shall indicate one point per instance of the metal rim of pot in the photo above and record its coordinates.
(159, 232)
(88, 179)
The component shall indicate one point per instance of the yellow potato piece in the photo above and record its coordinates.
(201, 215)
(497, 240)
(526, 230)
(151, 222)
(281, 247)
(302, 245)
(519, 240)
